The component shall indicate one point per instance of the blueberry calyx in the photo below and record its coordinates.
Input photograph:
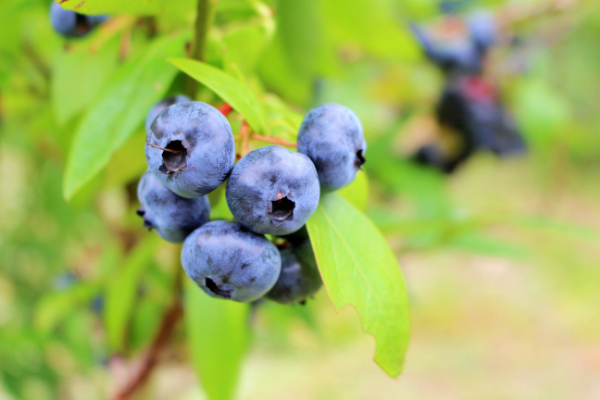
(360, 160)
(174, 157)
(213, 287)
(147, 223)
(282, 210)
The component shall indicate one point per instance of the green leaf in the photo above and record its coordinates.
(122, 290)
(359, 268)
(218, 334)
(121, 109)
(135, 7)
(78, 75)
(230, 90)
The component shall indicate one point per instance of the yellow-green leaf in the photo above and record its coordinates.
(359, 268)
(229, 89)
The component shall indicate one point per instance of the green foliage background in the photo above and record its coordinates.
(501, 260)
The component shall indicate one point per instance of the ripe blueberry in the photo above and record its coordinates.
(228, 261)
(299, 278)
(273, 190)
(159, 107)
(332, 137)
(71, 24)
(190, 148)
(173, 217)
(483, 30)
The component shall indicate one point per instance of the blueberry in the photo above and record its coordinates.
(273, 190)
(71, 24)
(332, 137)
(299, 277)
(159, 107)
(483, 30)
(173, 217)
(228, 261)
(190, 148)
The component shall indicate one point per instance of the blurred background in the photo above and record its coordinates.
(501, 256)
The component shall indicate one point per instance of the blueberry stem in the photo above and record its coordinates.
(245, 134)
(273, 140)
(163, 148)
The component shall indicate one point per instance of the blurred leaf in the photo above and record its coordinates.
(370, 24)
(78, 75)
(359, 268)
(137, 7)
(122, 290)
(56, 306)
(477, 242)
(218, 334)
(293, 18)
(541, 111)
(230, 90)
(357, 193)
(120, 109)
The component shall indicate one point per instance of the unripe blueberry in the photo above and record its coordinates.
(173, 217)
(332, 137)
(273, 190)
(160, 106)
(190, 148)
(299, 278)
(68, 23)
(228, 261)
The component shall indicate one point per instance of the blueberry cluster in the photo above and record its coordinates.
(72, 24)
(470, 105)
(190, 151)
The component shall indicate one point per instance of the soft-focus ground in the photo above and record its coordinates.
(483, 327)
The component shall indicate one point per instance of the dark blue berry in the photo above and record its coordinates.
(299, 278)
(456, 56)
(159, 107)
(332, 137)
(190, 148)
(173, 217)
(483, 30)
(71, 24)
(228, 261)
(273, 190)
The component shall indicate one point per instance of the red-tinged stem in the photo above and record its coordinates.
(225, 109)
(273, 140)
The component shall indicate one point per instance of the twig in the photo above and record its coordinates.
(150, 359)
(518, 12)
(273, 140)
(245, 135)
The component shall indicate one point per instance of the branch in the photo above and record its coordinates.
(150, 359)
(519, 12)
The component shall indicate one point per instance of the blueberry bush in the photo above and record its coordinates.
(182, 176)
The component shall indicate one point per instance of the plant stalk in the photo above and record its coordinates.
(204, 18)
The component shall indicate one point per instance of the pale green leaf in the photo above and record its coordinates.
(218, 335)
(78, 75)
(122, 290)
(120, 109)
(359, 268)
(229, 89)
